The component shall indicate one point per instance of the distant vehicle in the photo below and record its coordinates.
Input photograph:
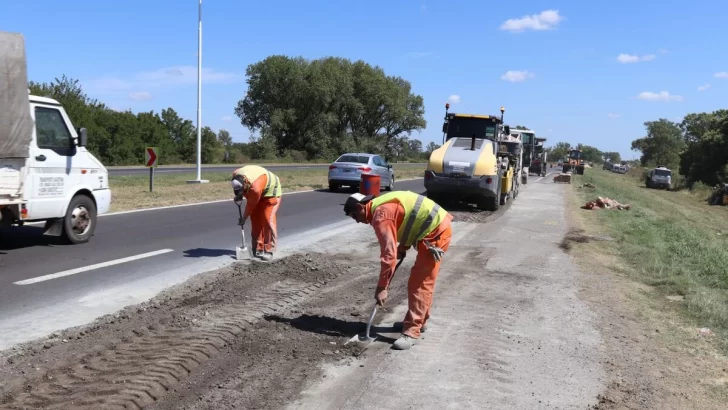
(561, 162)
(659, 177)
(348, 169)
(575, 162)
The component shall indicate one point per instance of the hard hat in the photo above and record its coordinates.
(353, 200)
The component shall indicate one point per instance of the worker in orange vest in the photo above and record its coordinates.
(402, 219)
(262, 191)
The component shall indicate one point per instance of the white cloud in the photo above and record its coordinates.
(661, 96)
(546, 20)
(164, 77)
(703, 87)
(454, 99)
(722, 74)
(516, 76)
(633, 58)
(140, 95)
(227, 118)
(612, 115)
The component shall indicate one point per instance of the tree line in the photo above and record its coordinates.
(296, 109)
(696, 147)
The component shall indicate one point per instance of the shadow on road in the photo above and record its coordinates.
(208, 253)
(331, 326)
(20, 237)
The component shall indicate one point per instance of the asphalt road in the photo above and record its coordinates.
(184, 241)
(205, 168)
(201, 237)
(209, 168)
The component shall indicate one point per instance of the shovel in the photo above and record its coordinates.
(366, 338)
(241, 252)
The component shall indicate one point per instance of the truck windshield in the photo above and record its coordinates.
(575, 155)
(466, 127)
(663, 172)
(527, 137)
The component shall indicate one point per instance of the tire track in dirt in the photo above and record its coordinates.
(142, 366)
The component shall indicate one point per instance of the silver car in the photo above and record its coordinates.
(348, 169)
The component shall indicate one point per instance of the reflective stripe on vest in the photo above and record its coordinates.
(273, 189)
(253, 172)
(421, 215)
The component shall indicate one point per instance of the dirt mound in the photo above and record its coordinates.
(244, 320)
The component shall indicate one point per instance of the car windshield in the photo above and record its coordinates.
(466, 127)
(359, 159)
(663, 172)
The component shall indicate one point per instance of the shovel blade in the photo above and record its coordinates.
(241, 253)
(361, 339)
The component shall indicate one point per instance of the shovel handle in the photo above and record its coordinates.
(371, 318)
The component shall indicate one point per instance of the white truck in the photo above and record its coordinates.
(46, 173)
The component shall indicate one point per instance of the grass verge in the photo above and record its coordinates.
(671, 241)
(132, 192)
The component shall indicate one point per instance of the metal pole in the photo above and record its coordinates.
(151, 179)
(199, 91)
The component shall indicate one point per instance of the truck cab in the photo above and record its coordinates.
(60, 182)
(659, 177)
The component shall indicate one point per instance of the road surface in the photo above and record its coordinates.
(211, 168)
(45, 286)
(188, 240)
(508, 330)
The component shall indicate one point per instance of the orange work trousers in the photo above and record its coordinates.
(264, 226)
(421, 285)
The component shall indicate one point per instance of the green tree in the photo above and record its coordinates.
(662, 145)
(706, 153)
(559, 151)
(612, 157)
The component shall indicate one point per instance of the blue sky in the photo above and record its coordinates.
(554, 65)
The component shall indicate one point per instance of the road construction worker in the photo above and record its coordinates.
(402, 219)
(262, 191)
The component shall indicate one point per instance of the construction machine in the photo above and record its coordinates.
(466, 167)
(575, 161)
(538, 162)
(510, 160)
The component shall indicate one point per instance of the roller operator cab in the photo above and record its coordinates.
(466, 167)
(46, 172)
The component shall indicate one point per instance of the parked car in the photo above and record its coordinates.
(348, 169)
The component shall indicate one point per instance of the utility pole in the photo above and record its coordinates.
(199, 179)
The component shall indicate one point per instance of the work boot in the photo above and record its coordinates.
(404, 342)
(266, 256)
(398, 326)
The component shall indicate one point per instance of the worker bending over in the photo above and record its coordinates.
(402, 219)
(262, 191)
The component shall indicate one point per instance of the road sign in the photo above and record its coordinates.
(150, 157)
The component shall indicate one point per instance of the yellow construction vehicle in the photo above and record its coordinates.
(466, 167)
(575, 161)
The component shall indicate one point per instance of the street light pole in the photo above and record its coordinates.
(199, 179)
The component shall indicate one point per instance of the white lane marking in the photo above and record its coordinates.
(91, 267)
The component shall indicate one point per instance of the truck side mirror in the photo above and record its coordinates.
(82, 137)
(507, 130)
(444, 127)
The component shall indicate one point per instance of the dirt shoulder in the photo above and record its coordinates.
(657, 357)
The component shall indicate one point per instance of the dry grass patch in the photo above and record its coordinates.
(132, 192)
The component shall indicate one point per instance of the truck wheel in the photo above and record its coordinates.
(79, 224)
